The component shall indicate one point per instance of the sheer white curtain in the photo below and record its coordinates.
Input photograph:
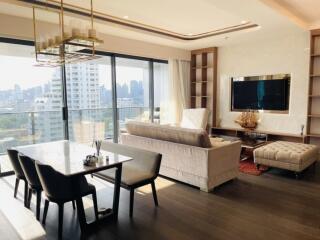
(179, 90)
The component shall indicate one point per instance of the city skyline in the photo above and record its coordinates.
(85, 94)
(37, 76)
(20, 91)
(31, 98)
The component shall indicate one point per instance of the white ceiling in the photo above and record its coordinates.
(180, 16)
(185, 17)
(303, 11)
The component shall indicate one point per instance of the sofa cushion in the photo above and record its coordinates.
(195, 118)
(219, 142)
(193, 137)
(129, 175)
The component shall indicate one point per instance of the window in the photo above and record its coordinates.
(29, 103)
(31, 99)
(91, 118)
(132, 84)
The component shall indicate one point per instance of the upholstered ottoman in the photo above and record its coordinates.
(286, 155)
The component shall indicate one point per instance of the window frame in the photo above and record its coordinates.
(113, 57)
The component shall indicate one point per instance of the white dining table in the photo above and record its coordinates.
(67, 158)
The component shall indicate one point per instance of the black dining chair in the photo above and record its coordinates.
(60, 189)
(14, 159)
(30, 172)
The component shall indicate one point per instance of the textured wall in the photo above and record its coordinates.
(289, 54)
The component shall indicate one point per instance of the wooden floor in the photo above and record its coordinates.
(272, 206)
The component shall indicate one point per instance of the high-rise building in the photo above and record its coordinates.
(83, 100)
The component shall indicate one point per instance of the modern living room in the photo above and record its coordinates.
(187, 120)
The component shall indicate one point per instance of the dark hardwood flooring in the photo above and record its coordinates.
(272, 206)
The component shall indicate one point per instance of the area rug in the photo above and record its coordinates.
(248, 167)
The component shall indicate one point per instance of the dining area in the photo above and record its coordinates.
(57, 173)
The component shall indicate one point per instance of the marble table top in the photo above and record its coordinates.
(67, 157)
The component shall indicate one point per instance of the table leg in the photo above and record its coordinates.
(116, 194)
(108, 213)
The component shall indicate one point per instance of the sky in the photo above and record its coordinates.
(17, 70)
(21, 71)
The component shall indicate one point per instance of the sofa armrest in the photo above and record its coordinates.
(224, 157)
(223, 160)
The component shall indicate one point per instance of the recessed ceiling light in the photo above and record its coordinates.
(244, 22)
(126, 17)
(190, 34)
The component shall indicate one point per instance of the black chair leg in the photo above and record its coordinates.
(29, 198)
(81, 214)
(38, 204)
(60, 226)
(154, 192)
(16, 187)
(45, 211)
(26, 188)
(73, 205)
(131, 202)
(95, 204)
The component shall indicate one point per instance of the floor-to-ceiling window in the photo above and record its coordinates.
(132, 86)
(101, 95)
(89, 97)
(30, 100)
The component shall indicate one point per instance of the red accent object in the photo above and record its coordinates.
(248, 167)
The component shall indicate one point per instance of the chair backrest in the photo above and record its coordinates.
(29, 168)
(14, 159)
(55, 185)
(195, 118)
(142, 159)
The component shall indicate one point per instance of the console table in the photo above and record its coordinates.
(268, 135)
(260, 138)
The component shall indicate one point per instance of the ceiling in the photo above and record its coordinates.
(190, 18)
(303, 12)
(179, 16)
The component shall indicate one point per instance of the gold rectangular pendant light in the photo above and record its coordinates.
(63, 47)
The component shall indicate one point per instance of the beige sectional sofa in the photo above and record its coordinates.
(188, 155)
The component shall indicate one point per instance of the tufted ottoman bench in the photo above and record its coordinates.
(286, 155)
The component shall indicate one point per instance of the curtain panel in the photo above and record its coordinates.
(179, 90)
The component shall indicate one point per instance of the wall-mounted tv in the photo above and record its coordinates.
(268, 92)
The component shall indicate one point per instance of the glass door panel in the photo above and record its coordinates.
(89, 95)
(30, 101)
(132, 86)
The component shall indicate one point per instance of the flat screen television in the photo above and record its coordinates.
(268, 92)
